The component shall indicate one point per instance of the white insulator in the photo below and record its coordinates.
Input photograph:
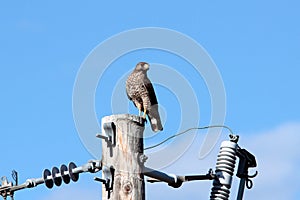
(224, 171)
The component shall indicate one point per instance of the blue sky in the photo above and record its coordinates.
(255, 46)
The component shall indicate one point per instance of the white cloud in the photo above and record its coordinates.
(278, 156)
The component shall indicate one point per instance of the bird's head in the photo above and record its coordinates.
(142, 66)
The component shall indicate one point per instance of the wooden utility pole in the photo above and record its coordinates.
(122, 148)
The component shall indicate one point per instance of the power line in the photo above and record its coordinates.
(183, 132)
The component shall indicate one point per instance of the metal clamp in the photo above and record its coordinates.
(108, 179)
(110, 134)
(6, 185)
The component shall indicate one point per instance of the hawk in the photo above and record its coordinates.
(140, 91)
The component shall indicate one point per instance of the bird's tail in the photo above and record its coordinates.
(154, 118)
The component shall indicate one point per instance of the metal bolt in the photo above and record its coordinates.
(143, 158)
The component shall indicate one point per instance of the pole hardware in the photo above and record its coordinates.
(50, 178)
(110, 134)
(247, 160)
(175, 181)
(108, 179)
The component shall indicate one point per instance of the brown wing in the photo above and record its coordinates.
(151, 93)
(153, 113)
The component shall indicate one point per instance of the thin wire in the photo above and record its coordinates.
(183, 132)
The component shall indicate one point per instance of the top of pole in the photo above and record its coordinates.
(135, 118)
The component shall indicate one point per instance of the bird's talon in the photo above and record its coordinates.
(145, 119)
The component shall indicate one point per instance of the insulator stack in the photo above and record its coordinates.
(56, 176)
(224, 171)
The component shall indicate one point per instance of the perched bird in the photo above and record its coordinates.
(140, 91)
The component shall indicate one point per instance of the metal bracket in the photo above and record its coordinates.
(108, 179)
(110, 134)
(247, 160)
